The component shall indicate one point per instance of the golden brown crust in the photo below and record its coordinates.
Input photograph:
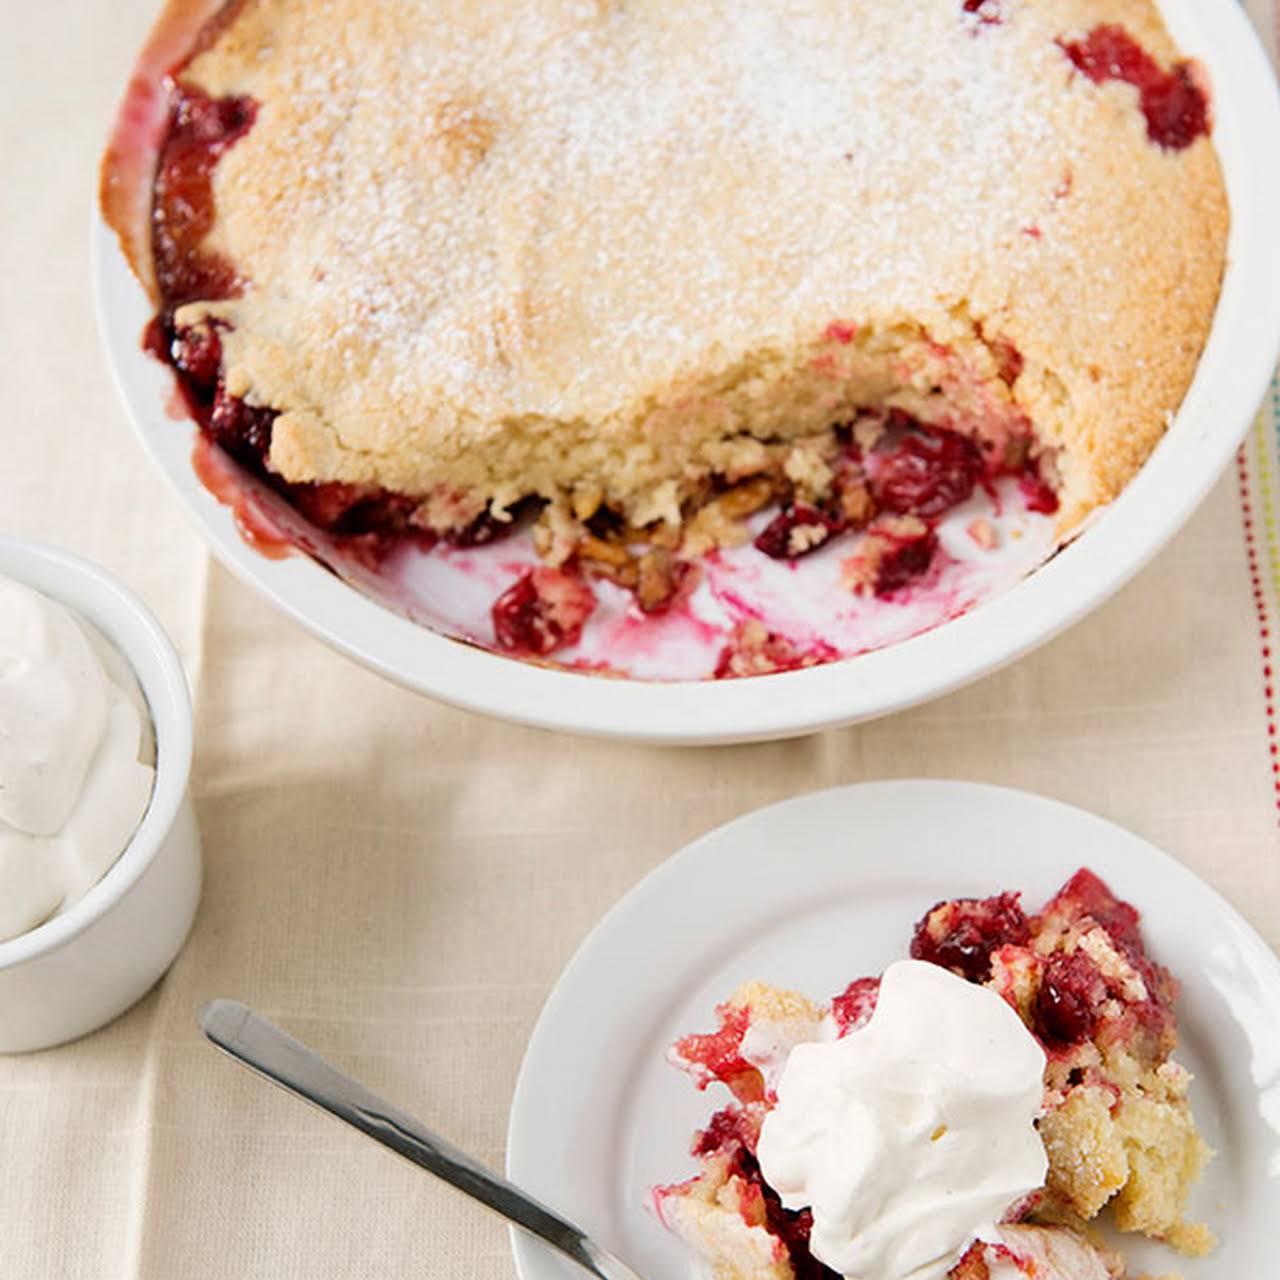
(507, 248)
(1139, 1151)
(775, 1004)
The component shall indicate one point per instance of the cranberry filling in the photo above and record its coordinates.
(796, 531)
(1174, 105)
(1085, 898)
(961, 935)
(242, 429)
(792, 1229)
(903, 561)
(333, 506)
(755, 651)
(926, 471)
(729, 1125)
(356, 511)
(1086, 895)
(201, 130)
(1069, 993)
(719, 1054)
(197, 354)
(853, 1007)
(542, 611)
(986, 11)
(1039, 496)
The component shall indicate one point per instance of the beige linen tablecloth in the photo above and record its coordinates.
(400, 882)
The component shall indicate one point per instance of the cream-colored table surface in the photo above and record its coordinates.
(401, 882)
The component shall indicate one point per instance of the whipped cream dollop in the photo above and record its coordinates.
(913, 1136)
(76, 746)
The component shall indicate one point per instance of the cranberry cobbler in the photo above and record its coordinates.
(1116, 1122)
(657, 279)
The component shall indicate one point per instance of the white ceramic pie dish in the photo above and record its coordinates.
(1236, 366)
(80, 969)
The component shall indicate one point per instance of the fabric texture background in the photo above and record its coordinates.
(400, 883)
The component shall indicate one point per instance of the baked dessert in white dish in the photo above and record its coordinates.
(638, 273)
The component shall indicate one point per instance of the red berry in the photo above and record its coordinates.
(196, 353)
(853, 1007)
(925, 472)
(1175, 107)
(1038, 495)
(796, 531)
(961, 935)
(243, 430)
(904, 561)
(542, 611)
(1069, 993)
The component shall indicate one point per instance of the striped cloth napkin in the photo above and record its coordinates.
(1258, 466)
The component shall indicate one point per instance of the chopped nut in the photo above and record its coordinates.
(857, 505)
(710, 528)
(983, 532)
(661, 577)
(867, 432)
(854, 498)
(586, 502)
(592, 548)
(746, 499)
(659, 535)
(623, 575)
(853, 494)
(1016, 451)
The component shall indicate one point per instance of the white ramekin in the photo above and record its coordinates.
(85, 966)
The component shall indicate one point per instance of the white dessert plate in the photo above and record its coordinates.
(1003, 611)
(819, 890)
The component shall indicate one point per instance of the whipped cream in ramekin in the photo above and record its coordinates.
(76, 753)
(913, 1136)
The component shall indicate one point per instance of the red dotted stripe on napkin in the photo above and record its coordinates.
(1264, 621)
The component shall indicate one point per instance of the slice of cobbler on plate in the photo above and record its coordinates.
(971, 1113)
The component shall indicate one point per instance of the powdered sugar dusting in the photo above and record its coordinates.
(464, 197)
